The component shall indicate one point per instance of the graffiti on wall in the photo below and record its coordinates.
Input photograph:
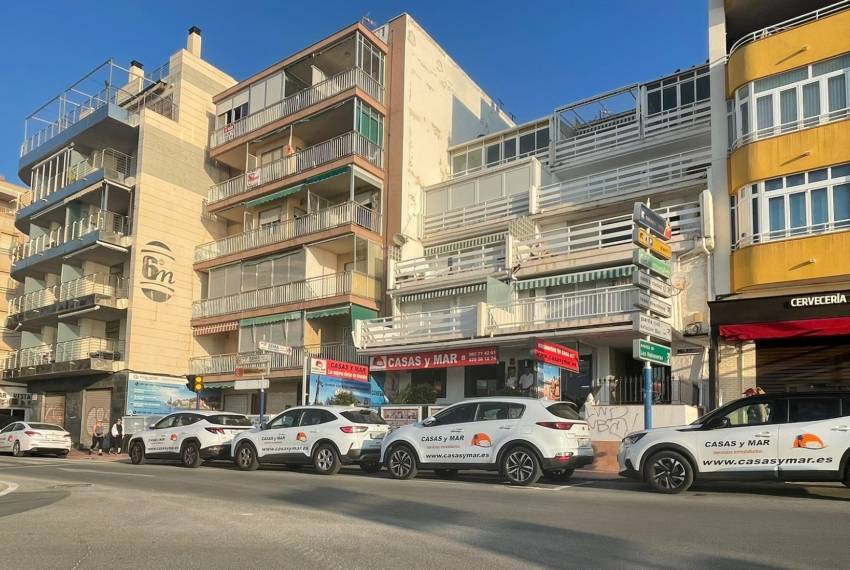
(612, 423)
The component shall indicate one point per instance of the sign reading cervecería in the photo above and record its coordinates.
(556, 354)
(436, 359)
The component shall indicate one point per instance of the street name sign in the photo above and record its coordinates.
(646, 281)
(276, 348)
(644, 259)
(645, 350)
(644, 238)
(258, 384)
(654, 304)
(643, 215)
(646, 325)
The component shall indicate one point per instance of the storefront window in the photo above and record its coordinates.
(483, 381)
(434, 377)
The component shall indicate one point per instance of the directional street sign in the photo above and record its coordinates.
(643, 258)
(644, 238)
(252, 364)
(646, 325)
(656, 223)
(646, 281)
(645, 350)
(258, 384)
(654, 304)
(277, 348)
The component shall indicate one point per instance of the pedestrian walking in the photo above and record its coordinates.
(97, 438)
(116, 437)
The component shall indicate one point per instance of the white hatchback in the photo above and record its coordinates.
(325, 436)
(523, 438)
(21, 438)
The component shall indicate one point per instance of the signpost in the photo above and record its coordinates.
(276, 348)
(652, 257)
(253, 364)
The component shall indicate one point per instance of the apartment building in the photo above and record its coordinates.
(781, 163)
(529, 236)
(326, 152)
(117, 168)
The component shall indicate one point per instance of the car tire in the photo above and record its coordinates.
(246, 458)
(520, 466)
(446, 473)
(137, 453)
(401, 462)
(370, 466)
(559, 474)
(16, 450)
(190, 456)
(326, 459)
(63, 455)
(668, 472)
(846, 480)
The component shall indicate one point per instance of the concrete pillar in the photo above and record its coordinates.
(193, 41)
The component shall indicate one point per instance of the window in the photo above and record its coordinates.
(434, 377)
(364, 417)
(8, 428)
(288, 332)
(188, 419)
(526, 144)
(532, 141)
(509, 149)
(369, 123)
(228, 420)
(370, 59)
(315, 417)
(564, 410)
(680, 90)
(483, 381)
(493, 154)
(168, 421)
(270, 216)
(462, 413)
(285, 420)
(813, 409)
(749, 414)
(499, 411)
(271, 156)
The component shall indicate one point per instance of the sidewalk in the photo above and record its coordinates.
(84, 454)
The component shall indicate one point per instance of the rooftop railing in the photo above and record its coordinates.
(351, 143)
(108, 222)
(348, 79)
(100, 284)
(227, 363)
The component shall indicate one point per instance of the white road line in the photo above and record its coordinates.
(9, 487)
(5, 468)
(72, 470)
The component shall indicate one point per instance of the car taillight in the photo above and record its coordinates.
(563, 457)
(219, 431)
(557, 425)
(353, 429)
(32, 433)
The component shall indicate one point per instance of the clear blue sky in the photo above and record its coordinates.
(533, 56)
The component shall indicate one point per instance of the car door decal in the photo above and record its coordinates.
(808, 441)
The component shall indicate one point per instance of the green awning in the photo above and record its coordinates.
(580, 277)
(332, 312)
(292, 316)
(282, 193)
(359, 313)
(450, 292)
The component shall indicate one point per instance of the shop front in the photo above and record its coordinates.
(15, 401)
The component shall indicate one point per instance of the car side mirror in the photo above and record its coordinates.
(718, 423)
(152, 426)
(429, 421)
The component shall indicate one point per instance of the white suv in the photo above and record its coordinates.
(523, 438)
(325, 436)
(781, 437)
(190, 436)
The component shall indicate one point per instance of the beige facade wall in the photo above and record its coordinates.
(9, 238)
(173, 176)
(736, 370)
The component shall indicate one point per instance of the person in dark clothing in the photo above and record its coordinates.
(116, 437)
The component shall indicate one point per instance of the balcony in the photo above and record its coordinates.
(567, 310)
(433, 326)
(469, 259)
(105, 293)
(226, 363)
(315, 288)
(789, 24)
(339, 83)
(278, 232)
(349, 144)
(69, 358)
(104, 236)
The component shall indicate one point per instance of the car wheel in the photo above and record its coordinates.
(191, 455)
(326, 459)
(446, 473)
(137, 453)
(401, 462)
(520, 466)
(245, 457)
(63, 455)
(370, 466)
(668, 472)
(559, 475)
(847, 476)
(16, 449)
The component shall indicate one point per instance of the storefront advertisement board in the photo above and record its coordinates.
(153, 395)
(435, 359)
(398, 416)
(334, 382)
(548, 385)
(556, 355)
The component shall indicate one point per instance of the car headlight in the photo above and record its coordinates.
(633, 438)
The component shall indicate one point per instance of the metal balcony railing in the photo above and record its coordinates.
(109, 223)
(100, 284)
(67, 351)
(348, 283)
(791, 127)
(310, 223)
(348, 144)
(628, 390)
(557, 311)
(485, 258)
(226, 363)
(678, 168)
(488, 210)
(791, 233)
(446, 324)
(601, 234)
(348, 79)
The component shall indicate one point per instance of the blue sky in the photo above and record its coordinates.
(533, 56)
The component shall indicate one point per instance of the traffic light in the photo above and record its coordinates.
(194, 382)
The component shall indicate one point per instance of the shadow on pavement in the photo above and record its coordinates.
(20, 502)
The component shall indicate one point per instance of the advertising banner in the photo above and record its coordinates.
(334, 382)
(155, 397)
(339, 369)
(556, 354)
(397, 416)
(436, 359)
(548, 385)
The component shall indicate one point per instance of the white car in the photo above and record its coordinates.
(325, 436)
(190, 436)
(767, 437)
(21, 438)
(523, 438)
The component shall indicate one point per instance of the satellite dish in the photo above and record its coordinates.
(400, 239)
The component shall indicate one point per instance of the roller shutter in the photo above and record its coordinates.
(798, 365)
(54, 409)
(98, 405)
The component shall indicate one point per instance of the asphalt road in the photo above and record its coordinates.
(91, 514)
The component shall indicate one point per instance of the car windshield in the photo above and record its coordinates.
(363, 417)
(46, 427)
(228, 420)
(564, 410)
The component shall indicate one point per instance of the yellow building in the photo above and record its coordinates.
(781, 170)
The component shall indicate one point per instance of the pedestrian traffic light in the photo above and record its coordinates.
(194, 382)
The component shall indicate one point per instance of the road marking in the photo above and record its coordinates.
(4, 468)
(9, 487)
(78, 470)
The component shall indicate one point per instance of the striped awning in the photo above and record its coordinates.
(331, 312)
(216, 328)
(579, 277)
(451, 292)
(291, 316)
(282, 193)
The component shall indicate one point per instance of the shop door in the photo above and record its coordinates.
(97, 406)
(803, 365)
(54, 409)
(237, 403)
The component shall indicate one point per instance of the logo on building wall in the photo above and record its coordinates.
(157, 278)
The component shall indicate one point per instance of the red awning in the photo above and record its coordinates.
(787, 329)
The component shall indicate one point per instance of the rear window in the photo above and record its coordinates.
(46, 427)
(363, 417)
(564, 410)
(226, 420)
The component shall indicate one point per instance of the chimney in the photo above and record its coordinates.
(137, 70)
(193, 42)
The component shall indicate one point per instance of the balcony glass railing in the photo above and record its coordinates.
(227, 363)
(310, 223)
(348, 283)
(348, 144)
(308, 97)
(110, 223)
(101, 284)
(484, 258)
(78, 349)
(446, 324)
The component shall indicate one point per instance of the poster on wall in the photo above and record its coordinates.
(333, 382)
(552, 360)
(398, 416)
(548, 385)
(148, 396)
